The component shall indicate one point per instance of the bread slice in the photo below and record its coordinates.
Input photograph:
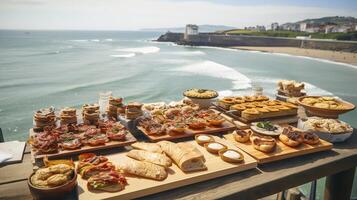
(151, 147)
(155, 158)
(187, 157)
(143, 169)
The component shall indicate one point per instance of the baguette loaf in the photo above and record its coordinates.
(155, 158)
(186, 156)
(143, 169)
(151, 147)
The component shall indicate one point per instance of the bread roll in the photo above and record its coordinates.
(143, 169)
(155, 158)
(151, 147)
(186, 156)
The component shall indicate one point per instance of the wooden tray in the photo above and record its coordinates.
(287, 119)
(281, 151)
(226, 126)
(139, 187)
(129, 139)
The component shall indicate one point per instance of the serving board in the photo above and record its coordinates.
(226, 126)
(139, 187)
(281, 151)
(287, 119)
(129, 139)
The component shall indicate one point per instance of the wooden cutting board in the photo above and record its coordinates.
(226, 126)
(281, 151)
(129, 139)
(139, 187)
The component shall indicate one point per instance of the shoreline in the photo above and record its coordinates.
(333, 56)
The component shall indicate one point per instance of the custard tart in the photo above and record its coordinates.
(215, 147)
(230, 155)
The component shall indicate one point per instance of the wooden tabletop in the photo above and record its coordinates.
(265, 180)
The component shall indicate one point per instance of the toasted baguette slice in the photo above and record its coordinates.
(151, 147)
(155, 158)
(143, 169)
(186, 156)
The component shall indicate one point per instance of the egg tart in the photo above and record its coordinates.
(238, 107)
(230, 155)
(215, 147)
(241, 135)
(202, 139)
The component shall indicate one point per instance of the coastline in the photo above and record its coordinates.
(334, 56)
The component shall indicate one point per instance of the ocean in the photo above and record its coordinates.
(69, 68)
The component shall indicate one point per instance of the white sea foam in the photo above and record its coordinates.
(213, 69)
(142, 50)
(129, 55)
(108, 40)
(78, 40)
(95, 40)
(187, 53)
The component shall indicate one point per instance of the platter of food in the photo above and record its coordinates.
(155, 167)
(289, 142)
(257, 108)
(202, 97)
(332, 130)
(70, 137)
(54, 179)
(322, 106)
(290, 90)
(182, 120)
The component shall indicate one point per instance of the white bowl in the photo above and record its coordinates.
(336, 137)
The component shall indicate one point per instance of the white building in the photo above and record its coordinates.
(260, 28)
(274, 26)
(191, 29)
(303, 27)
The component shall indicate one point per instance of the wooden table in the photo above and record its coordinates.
(338, 165)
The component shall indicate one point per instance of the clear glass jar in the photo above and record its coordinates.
(257, 90)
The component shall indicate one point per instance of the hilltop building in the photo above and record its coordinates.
(191, 29)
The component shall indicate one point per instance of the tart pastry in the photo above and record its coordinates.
(155, 158)
(215, 147)
(263, 143)
(187, 157)
(241, 135)
(310, 138)
(202, 139)
(215, 120)
(290, 137)
(230, 155)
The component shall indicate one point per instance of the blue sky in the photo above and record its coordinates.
(137, 14)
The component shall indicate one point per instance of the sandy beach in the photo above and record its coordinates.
(337, 56)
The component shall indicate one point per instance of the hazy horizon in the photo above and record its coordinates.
(142, 14)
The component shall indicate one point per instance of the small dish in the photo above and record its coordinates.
(215, 147)
(202, 139)
(231, 155)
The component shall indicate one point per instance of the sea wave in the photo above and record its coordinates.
(129, 55)
(108, 40)
(187, 53)
(141, 50)
(213, 69)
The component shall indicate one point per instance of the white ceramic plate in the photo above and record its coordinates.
(265, 132)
